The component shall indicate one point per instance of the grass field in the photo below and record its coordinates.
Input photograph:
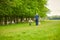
(48, 30)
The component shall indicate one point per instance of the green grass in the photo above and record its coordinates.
(48, 30)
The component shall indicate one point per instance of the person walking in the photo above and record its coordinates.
(36, 19)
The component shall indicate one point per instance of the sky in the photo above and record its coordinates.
(54, 6)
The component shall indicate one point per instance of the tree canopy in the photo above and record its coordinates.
(23, 8)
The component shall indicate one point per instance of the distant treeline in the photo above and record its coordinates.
(54, 18)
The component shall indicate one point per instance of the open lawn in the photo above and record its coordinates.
(48, 30)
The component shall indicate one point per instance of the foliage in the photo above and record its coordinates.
(13, 9)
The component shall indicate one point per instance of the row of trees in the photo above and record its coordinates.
(13, 10)
(54, 17)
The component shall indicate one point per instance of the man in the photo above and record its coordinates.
(36, 18)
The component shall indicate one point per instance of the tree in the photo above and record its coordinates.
(12, 10)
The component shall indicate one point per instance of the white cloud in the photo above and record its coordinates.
(54, 6)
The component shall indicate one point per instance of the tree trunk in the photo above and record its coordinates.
(21, 19)
(5, 20)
